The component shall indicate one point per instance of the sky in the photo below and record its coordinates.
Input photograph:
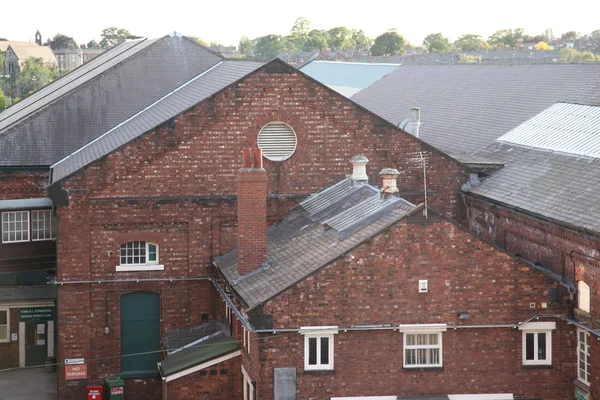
(226, 21)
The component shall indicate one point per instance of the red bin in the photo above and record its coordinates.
(94, 390)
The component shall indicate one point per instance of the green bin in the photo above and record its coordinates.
(114, 388)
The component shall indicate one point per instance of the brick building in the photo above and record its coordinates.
(146, 198)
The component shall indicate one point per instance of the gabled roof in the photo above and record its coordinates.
(545, 172)
(347, 78)
(5, 43)
(25, 52)
(465, 108)
(182, 98)
(90, 100)
(325, 226)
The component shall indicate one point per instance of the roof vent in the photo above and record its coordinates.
(412, 125)
(277, 140)
(389, 177)
(359, 170)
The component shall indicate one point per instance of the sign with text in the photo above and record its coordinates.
(117, 390)
(70, 361)
(77, 371)
(36, 314)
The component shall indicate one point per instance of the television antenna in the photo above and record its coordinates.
(420, 160)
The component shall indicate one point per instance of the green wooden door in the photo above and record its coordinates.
(140, 333)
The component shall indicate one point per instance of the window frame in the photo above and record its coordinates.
(147, 265)
(536, 328)
(583, 296)
(423, 329)
(587, 364)
(8, 231)
(318, 333)
(52, 235)
(7, 309)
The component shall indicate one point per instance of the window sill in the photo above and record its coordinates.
(436, 368)
(133, 268)
(318, 371)
(138, 374)
(538, 366)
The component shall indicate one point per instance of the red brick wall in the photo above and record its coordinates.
(569, 253)
(219, 382)
(9, 352)
(22, 184)
(159, 187)
(377, 284)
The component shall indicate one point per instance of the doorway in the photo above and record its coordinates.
(36, 343)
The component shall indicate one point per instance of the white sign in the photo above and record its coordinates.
(71, 361)
(14, 337)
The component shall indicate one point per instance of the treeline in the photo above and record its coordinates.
(303, 38)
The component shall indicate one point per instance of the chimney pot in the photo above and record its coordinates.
(359, 170)
(416, 120)
(389, 178)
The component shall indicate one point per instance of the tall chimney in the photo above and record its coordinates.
(252, 212)
(416, 120)
(359, 169)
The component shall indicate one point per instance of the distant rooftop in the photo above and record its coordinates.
(347, 78)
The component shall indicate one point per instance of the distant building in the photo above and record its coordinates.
(225, 51)
(69, 59)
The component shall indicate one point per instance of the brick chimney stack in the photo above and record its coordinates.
(252, 212)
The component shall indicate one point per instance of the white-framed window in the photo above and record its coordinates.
(537, 342)
(318, 347)
(248, 386)
(583, 356)
(423, 345)
(139, 256)
(41, 225)
(4, 324)
(583, 296)
(15, 226)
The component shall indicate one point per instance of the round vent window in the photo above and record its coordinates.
(277, 141)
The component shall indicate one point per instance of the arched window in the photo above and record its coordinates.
(583, 296)
(140, 334)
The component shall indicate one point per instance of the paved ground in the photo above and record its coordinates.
(27, 384)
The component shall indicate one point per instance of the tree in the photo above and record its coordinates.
(34, 75)
(388, 44)
(549, 35)
(246, 46)
(60, 41)
(506, 37)
(269, 46)
(437, 42)
(198, 40)
(316, 39)
(3, 102)
(470, 42)
(569, 36)
(595, 35)
(92, 44)
(542, 46)
(340, 37)
(360, 39)
(301, 27)
(113, 36)
(571, 55)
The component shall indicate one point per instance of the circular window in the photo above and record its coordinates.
(277, 141)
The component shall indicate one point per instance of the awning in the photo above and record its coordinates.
(24, 204)
(196, 358)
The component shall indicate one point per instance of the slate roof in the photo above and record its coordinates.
(182, 98)
(90, 100)
(323, 228)
(347, 78)
(465, 108)
(557, 185)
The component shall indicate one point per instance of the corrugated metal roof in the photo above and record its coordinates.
(189, 94)
(22, 204)
(563, 127)
(94, 98)
(347, 78)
